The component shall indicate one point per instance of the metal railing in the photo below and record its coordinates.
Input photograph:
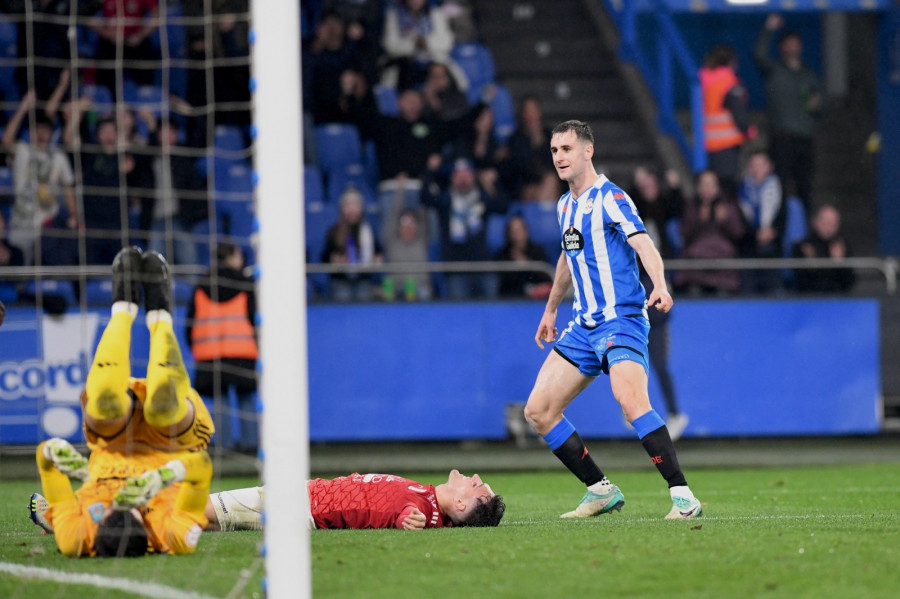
(671, 49)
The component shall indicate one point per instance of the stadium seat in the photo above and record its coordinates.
(795, 229)
(8, 50)
(101, 96)
(386, 100)
(352, 174)
(319, 218)
(229, 138)
(476, 62)
(673, 232)
(496, 232)
(52, 287)
(149, 97)
(543, 226)
(504, 112)
(338, 144)
(313, 190)
(9, 292)
(98, 292)
(233, 194)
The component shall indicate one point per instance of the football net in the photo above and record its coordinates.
(134, 128)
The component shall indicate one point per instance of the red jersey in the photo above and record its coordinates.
(133, 12)
(372, 501)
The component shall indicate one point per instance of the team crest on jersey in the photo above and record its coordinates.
(589, 204)
(96, 510)
(573, 240)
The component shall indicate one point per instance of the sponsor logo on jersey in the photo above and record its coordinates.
(573, 240)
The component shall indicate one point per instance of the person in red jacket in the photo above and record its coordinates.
(726, 124)
(370, 501)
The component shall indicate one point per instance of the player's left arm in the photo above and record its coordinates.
(653, 264)
(411, 518)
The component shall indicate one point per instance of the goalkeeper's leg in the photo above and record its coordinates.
(108, 405)
(239, 509)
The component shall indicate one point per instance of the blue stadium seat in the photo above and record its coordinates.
(673, 231)
(795, 225)
(496, 232)
(339, 144)
(8, 50)
(52, 287)
(233, 194)
(98, 292)
(6, 181)
(504, 112)
(229, 138)
(102, 97)
(476, 62)
(386, 100)
(313, 190)
(543, 226)
(319, 218)
(149, 97)
(9, 292)
(352, 174)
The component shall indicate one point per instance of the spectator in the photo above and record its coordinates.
(520, 248)
(712, 227)
(415, 35)
(127, 25)
(104, 172)
(419, 138)
(179, 200)
(50, 43)
(366, 14)
(528, 161)
(222, 40)
(444, 102)
(41, 174)
(135, 132)
(462, 208)
(405, 237)
(824, 240)
(726, 124)
(762, 204)
(794, 101)
(475, 140)
(658, 206)
(351, 241)
(222, 338)
(334, 84)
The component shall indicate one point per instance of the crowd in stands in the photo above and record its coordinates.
(414, 151)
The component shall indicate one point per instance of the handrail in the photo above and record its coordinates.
(889, 267)
(670, 44)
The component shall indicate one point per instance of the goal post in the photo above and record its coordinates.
(275, 63)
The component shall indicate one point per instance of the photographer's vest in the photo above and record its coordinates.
(221, 329)
(719, 129)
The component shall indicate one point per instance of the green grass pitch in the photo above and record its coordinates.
(821, 531)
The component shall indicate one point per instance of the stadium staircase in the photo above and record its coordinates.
(566, 58)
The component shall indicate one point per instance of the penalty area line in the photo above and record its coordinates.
(143, 589)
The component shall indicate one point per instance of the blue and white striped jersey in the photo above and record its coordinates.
(595, 228)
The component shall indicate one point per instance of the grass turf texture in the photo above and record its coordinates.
(823, 531)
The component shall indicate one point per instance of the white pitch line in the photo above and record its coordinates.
(144, 589)
(700, 520)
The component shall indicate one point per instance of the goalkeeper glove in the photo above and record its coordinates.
(66, 458)
(137, 491)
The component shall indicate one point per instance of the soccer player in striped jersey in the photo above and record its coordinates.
(602, 234)
(370, 501)
(147, 481)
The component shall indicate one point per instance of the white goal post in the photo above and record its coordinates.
(275, 55)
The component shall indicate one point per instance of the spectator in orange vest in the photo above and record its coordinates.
(726, 124)
(223, 341)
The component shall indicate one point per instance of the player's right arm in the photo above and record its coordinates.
(562, 282)
(71, 531)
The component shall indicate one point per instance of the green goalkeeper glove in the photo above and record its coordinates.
(66, 458)
(137, 491)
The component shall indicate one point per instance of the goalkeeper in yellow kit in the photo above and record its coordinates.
(147, 481)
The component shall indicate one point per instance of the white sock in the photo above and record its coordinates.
(124, 306)
(154, 316)
(240, 509)
(683, 491)
(601, 488)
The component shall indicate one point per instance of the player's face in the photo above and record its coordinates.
(571, 155)
(468, 488)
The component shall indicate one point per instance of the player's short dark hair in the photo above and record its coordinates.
(582, 130)
(721, 55)
(121, 534)
(486, 513)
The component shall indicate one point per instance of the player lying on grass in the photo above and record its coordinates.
(358, 501)
(144, 435)
(370, 501)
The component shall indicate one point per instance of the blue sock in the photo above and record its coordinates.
(559, 433)
(647, 423)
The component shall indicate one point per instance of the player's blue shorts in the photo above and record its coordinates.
(592, 351)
